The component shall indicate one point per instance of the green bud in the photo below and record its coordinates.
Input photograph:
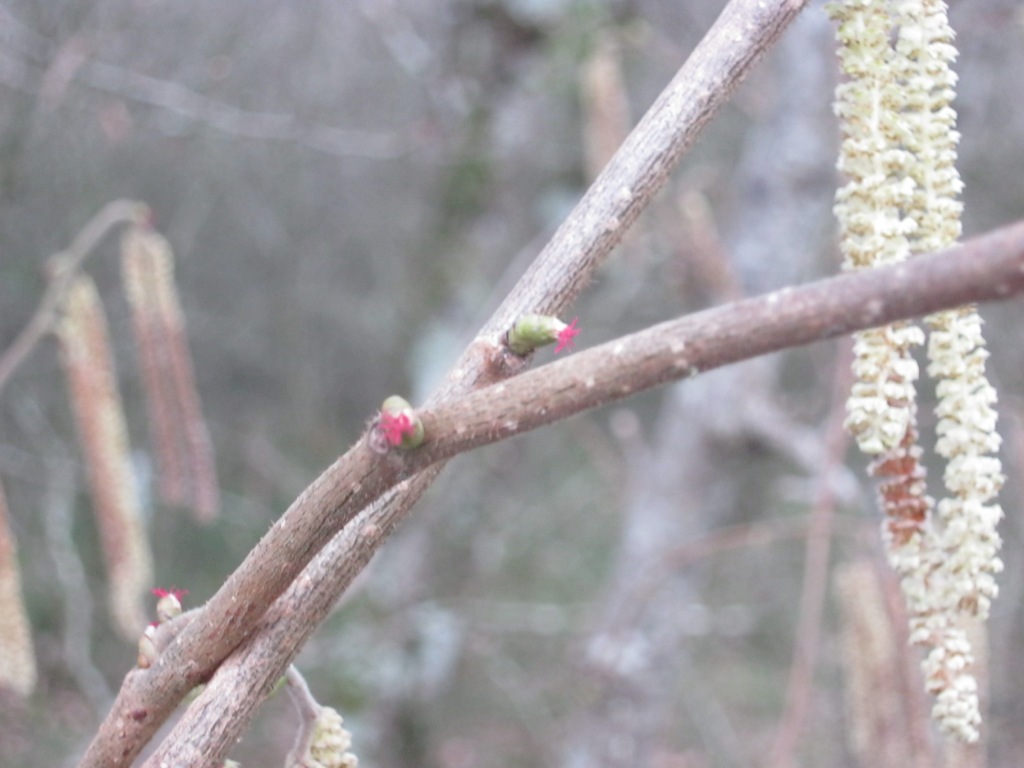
(532, 331)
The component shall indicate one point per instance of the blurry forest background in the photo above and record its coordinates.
(350, 188)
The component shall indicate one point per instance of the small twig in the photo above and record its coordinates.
(33, 72)
(62, 269)
(231, 120)
(307, 708)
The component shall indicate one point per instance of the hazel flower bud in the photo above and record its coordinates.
(397, 426)
(169, 604)
(532, 331)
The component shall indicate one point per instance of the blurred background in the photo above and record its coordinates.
(349, 189)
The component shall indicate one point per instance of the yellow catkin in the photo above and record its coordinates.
(17, 658)
(181, 441)
(99, 415)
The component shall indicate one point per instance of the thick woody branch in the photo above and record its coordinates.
(987, 268)
(743, 33)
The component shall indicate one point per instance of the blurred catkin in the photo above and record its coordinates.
(181, 443)
(17, 658)
(96, 402)
(872, 658)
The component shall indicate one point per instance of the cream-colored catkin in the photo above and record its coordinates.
(17, 657)
(330, 743)
(181, 442)
(966, 429)
(962, 584)
(899, 151)
(967, 439)
(872, 230)
(99, 415)
(881, 409)
(924, 53)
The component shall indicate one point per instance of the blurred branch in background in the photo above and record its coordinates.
(264, 126)
(633, 653)
(76, 598)
(64, 268)
(30, 65)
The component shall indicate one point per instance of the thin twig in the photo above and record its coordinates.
(231, 120)
(63, 267)
(307, 709)
(33, 72)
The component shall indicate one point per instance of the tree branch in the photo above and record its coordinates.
(745, 30)
(229, 119)
(986, 268)
(37, 71)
